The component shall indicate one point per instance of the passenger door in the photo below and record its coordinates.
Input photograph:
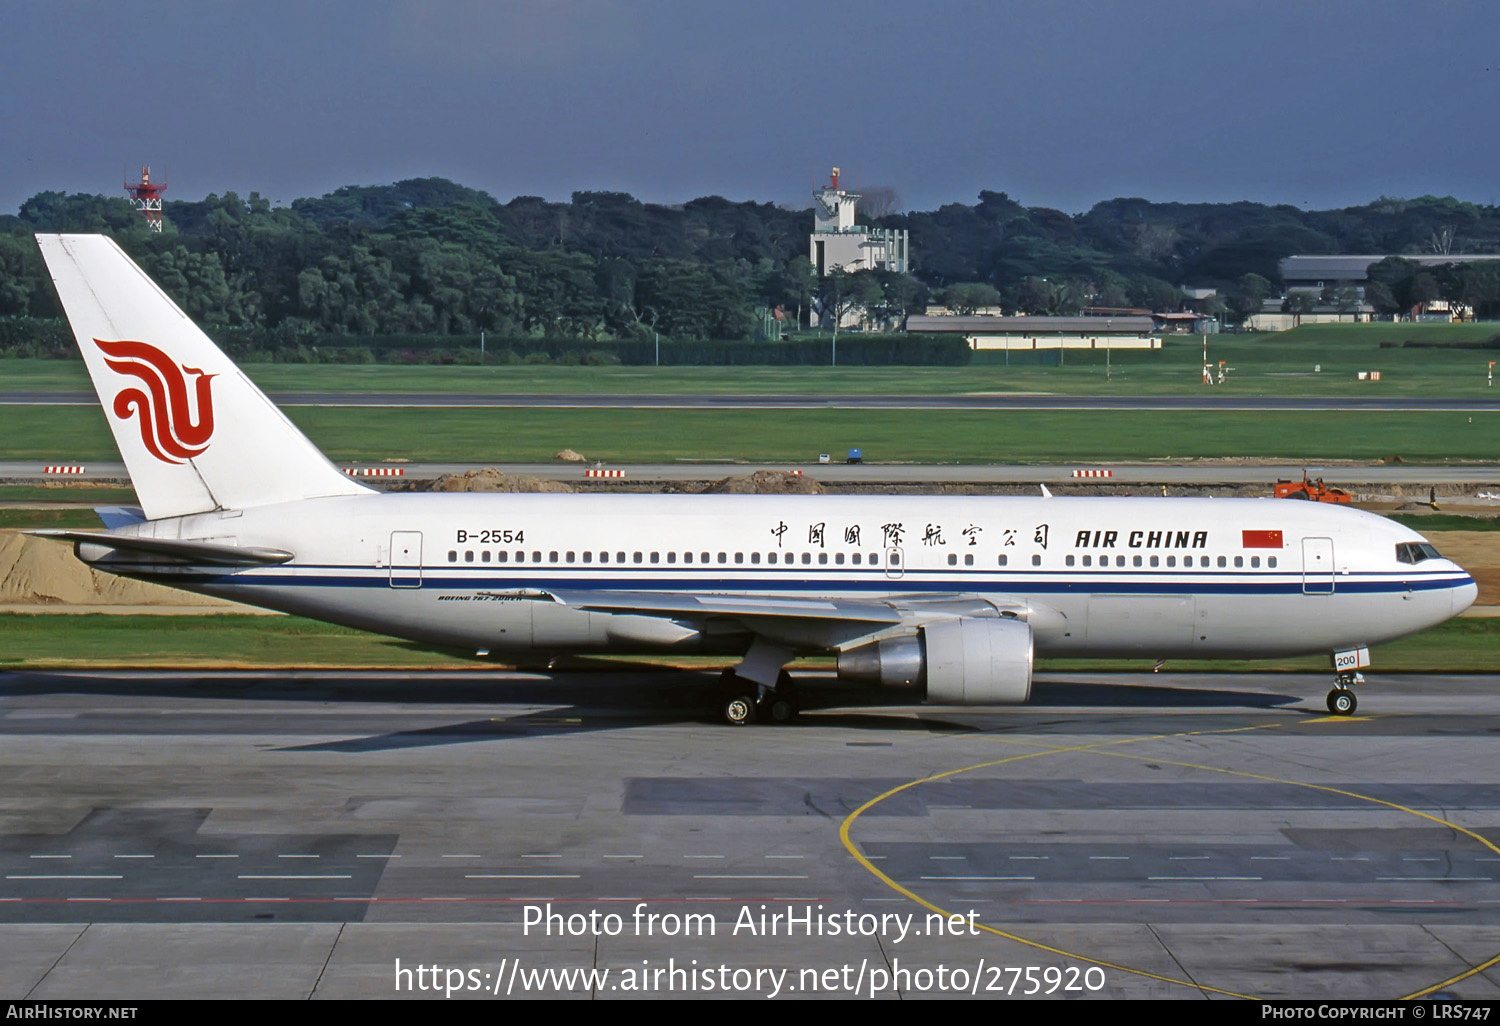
(1317, 566)
(406, 559)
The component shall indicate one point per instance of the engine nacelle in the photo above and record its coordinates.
(973, 661)
(964, 661)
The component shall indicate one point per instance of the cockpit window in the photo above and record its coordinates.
(1415, 552)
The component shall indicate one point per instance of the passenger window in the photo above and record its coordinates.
(856, 558)
(1223, 562)
(1254, 562)
(687, 557)
(636, 558)
(588, 557)
(807, 558)
(469, 556)
(823, 559)
(1068, 561)
(452, 556)
(619, 557)
(755, 557)
(1171, 561)
(1036, 560)
(604, 557)
(502, 556)
(656, 557)
(968, 559)
(552, 557)
(1136, 561)
(1156, 561)
(1088, 560)
(953, 559)
(1004, 559)
(1239, 561)
(570, 557)
(1119, 561)
(672, 557)
(484, 557)
(839, 558)
(705, 558)
(1271, 562)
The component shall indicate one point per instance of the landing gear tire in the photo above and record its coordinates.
(739, 710)
(777, 709)
(779, 704)
(1341, 702)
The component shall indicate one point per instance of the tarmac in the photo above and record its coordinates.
(294, 835)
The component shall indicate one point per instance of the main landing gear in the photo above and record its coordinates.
(742, 702)
(1341, 700)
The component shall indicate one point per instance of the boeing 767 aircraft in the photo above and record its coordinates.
(949, 597)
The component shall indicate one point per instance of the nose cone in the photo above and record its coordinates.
(1464, 596)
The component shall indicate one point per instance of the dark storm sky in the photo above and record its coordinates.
(1059, 103)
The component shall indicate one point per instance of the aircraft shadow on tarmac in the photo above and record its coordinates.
(575, 701)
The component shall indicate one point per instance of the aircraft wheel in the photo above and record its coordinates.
(739, 710)
(1341, 702)
(777, 709)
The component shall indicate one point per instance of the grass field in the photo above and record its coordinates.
(500, 435)
(1269, 363)
(42, 642)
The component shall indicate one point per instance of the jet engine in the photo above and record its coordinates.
(963, 661)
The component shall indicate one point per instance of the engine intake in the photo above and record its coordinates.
(963, 661)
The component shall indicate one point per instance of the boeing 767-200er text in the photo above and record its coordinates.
(950, 597)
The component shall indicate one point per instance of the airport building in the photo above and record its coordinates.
(838, 243)
(1014, 334)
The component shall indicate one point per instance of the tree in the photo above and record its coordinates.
(967, 297)
(1246, 297)
(1298, 304)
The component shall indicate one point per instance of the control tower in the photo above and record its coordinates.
(145, 195)
(837, 242)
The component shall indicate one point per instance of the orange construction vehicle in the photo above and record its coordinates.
(1314, 489)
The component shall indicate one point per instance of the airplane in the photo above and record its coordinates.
(948, 597)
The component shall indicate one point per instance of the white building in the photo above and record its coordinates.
(837, 243)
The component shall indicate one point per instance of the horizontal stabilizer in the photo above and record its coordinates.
(189, 552)
(120, 516)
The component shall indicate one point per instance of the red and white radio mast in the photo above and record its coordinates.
(146, 197)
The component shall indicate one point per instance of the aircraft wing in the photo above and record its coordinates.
(678, 604)
(820, 622)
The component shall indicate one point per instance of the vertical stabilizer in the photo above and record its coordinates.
(195, 433)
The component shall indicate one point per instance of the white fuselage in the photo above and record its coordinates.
(1095, 577)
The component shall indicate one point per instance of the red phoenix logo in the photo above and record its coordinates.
(168, 427)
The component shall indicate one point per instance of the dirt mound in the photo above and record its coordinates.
(570, 456)
(40, 571)
(491, 480)
(766, 482)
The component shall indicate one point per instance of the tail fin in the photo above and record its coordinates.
(195, 433)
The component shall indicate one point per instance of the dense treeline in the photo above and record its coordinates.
(418, 269)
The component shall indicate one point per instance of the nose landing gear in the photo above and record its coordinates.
(1341, 700)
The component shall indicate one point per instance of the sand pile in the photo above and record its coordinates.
(40, 571)
(491, 480)
(766, 482)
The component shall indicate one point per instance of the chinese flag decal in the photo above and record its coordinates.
(1261, 540)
